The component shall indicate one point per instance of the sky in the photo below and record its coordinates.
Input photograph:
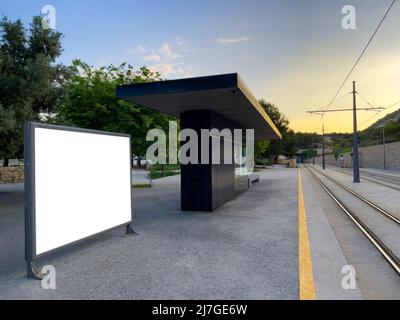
(293, 53)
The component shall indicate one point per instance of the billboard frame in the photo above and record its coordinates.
(29, 191)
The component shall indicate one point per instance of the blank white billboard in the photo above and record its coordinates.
(82, 185)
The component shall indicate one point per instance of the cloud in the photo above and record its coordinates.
(183, 45)
(167, 52)
(231, 40)
(152, 57)
(166, 58)
(139, 49)
(165, 69)
(172, 70)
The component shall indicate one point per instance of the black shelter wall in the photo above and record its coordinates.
(205, 187)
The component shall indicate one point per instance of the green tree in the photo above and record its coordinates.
(307, 140)
(276, 147)
(260, 147)
(91, 103)
(289, 143)
(31, 83)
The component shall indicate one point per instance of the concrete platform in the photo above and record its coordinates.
(140, 177)
(246, 249)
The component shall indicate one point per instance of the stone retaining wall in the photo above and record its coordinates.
(11, 174)
(370, 157)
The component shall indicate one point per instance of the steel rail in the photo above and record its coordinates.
(388, 255)
(369, 179)
(383, 177)
(357, 195)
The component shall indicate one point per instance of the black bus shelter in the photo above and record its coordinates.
(220, 102)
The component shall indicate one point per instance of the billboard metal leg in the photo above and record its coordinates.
(129, 230)
(33, 272)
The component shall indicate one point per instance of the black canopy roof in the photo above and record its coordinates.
(225, 94)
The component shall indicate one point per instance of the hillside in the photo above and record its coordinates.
(342, 142)
(389, 118)
(373, 134)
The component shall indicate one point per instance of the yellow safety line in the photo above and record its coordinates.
(306, 278)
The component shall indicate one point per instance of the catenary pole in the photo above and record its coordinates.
(323, 148)
(356, 165)
(384, 147)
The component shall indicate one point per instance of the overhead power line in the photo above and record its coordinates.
(346, 109)
(338, 99)
(360, 56)
(387, 108)
(365, 100)
(393, 105)
(370, 118)
(321, 114)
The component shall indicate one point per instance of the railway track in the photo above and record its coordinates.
(360, 197)
(373, 179)
(382, 176)
(376, 241)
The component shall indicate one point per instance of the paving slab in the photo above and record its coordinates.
(140, 177)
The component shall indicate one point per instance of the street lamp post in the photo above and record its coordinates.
(384, 147)
(313, 155)
(383, 144)
(323, 148)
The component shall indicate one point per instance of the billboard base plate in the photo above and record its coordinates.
(33, 272)
(129, 231)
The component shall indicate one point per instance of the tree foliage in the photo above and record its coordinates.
(91, 102)
(374, 133)
(260, 147)
(291, 141)
(276, 147)
(31, 83)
